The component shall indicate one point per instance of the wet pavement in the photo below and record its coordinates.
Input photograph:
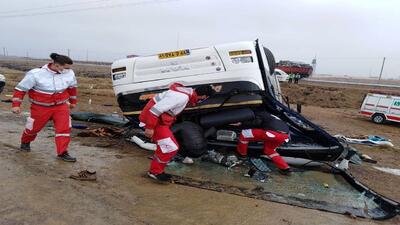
(35, 189)
(317, 188)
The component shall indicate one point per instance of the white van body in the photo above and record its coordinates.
(381, 107)
(281, 75)
(217, 64)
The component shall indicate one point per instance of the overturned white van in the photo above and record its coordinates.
(244, 72)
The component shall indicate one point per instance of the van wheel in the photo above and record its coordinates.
(190, 137)
(378, 118)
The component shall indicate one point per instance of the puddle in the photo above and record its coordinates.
(317, 189)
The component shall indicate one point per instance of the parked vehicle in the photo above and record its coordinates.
(244, 70)
(381, 107)
(2, 83)
(281, 75)
(304, 69)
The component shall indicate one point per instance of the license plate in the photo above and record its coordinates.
(174, 54)
(239, 52)
(118, 76)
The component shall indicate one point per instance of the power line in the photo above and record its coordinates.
(88, 8)
(53, 6)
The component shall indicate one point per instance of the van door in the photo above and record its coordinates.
(371, 102)
(395, 107)
(383, 104)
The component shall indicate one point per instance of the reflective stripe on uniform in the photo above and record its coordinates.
(72, 97)
(273, 155)
(31, 134)
(186, 90)
(157, 98)
(247, 133)
(243, 142)
(271, 135)
(171, 113)
(21, 88)
(155, 111)
(159, 160)
(16, 100)
(48, 91)
(62, 135)
(47, 104)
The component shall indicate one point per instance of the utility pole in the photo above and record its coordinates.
(4, 51)
(87, 55)
(383, 64)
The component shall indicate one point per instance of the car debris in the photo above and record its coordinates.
(366, 140)
(257, 175)
(113, 132)
(84, 175)
(79, 126)
(367, 158)
(99, 118)
(388, 170)
(219, 158)
(142, 144)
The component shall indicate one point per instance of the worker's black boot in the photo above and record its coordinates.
(286, 172)
(25, 147)
(66, 157)
(164, 177)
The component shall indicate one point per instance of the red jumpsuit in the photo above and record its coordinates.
(271, 139)
(49, 91)
(159, 114)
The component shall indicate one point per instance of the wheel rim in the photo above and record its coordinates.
(378, 119)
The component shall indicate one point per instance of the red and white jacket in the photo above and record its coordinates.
(166, 106)
(46, 87)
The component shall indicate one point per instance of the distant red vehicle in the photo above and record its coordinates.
(304, 69)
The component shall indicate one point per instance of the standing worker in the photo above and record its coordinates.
(50, 89)
(269, 129)
(291, 76)
(157, 117)
(297, 78)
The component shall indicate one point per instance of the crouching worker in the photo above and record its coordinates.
(157, 117)
(270, 130)
(50, 89)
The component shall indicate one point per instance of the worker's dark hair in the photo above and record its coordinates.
(204, 90)
(61, 59)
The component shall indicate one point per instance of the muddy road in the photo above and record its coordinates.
(35, 189)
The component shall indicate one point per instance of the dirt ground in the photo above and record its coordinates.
(35, 187)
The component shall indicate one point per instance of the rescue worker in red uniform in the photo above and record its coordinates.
(157, 117)
(270, 130)
(50, 89)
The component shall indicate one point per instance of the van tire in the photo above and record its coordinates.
(190, 137)
(378, 118)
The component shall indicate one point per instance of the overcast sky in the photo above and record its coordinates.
(347, 36)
